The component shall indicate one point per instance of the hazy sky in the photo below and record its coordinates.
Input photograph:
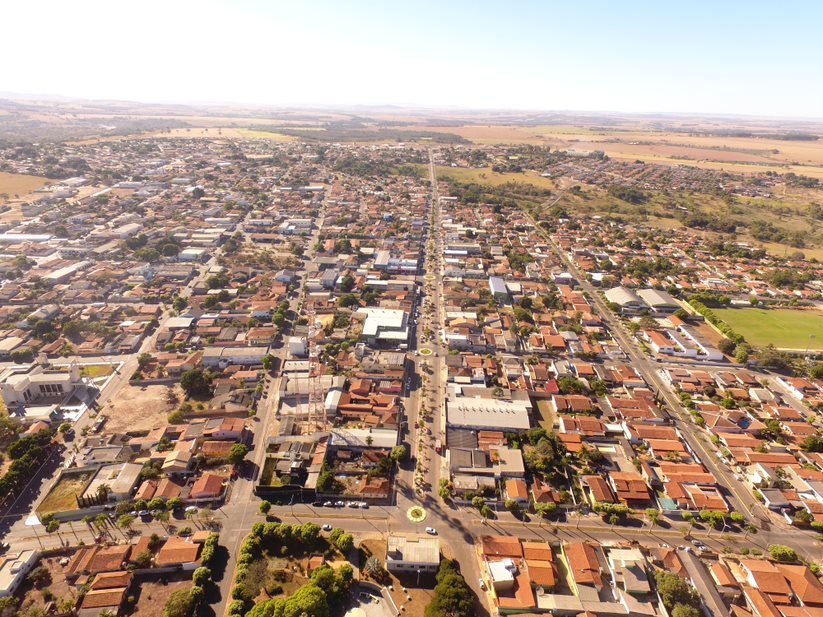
(744, 57)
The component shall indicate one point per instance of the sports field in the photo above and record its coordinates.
(783, 328)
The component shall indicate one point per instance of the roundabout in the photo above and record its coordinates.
(416, 514)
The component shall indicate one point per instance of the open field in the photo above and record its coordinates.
(729, 153)
(34, 602)
(154, 594)
(254, 134)
(19, 184)
(486, 176)
(141, 408)
(62, 497)
(783, 328)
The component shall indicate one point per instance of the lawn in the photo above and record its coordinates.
(783, 328)
(92, 371)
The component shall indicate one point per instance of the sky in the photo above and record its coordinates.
(721, 56)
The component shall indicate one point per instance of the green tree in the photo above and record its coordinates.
(180, 604)
(238, 453)
(195, 382)
(779, 552)
(737, 518)
(345, 543)
(452, 596)
(812, 443)
(674, 590)
(309, 601)
(347, 283)
(684, 610)
(265, 506)
(201, 576)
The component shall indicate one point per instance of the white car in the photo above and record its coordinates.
(482, 584)
(431, 531)
(191, 509)
(326, 527)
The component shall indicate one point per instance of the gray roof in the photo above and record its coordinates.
(623, 296)
(655, 297)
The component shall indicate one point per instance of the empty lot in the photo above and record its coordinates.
(141, 408)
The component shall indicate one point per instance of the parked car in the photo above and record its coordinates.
(482, 584)
(326, 527)
(431, 531)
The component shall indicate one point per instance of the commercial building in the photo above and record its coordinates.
(384, 325)
(412, 554)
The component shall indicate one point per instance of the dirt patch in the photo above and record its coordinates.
(142, 408)
(58, 589)
(154, 595)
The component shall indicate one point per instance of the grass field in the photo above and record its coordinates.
(19, 184)
(93, 371)
(62, 496)
(783, 328)
(486, 176)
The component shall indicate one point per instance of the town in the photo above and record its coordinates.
(267, 377)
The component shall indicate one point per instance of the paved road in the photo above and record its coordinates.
(742, 500)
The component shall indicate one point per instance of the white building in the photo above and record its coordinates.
(13, 570)
(38, 385)
(384, 325)
(412, 554)
(227, 356)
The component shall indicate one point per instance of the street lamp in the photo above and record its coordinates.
(809, 344)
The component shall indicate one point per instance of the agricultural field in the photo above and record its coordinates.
(789, 329)
(758, 153)
(13, 185)
(255, 134)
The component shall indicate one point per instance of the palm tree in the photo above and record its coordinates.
(125, 521)
(654, 518)
(103, 492)
(163, 518)
(207, 515)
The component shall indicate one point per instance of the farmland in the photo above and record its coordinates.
(12, 185)
(783, 328)
(699, 148)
